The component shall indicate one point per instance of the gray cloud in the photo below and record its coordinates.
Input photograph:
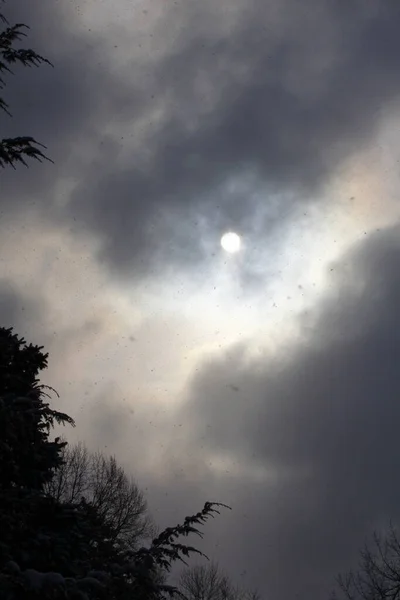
(322, 419)
(281, 100)
(53, 105)
(263, 124)
(17, 309)
(278, 100)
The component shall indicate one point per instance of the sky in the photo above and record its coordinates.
(267, 379)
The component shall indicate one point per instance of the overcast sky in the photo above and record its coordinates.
(267, 379)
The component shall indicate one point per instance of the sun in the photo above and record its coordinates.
(231, 242)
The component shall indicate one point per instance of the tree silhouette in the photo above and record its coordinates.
(66, 549)
(378, 573)
(205, 582)
(28, 458)
(208, 582)
(104, 484)
(16, 150)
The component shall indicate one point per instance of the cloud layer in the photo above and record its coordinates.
(319, 421)
(148, 144)
(170, 123)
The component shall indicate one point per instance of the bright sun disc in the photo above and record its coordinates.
(231, 242)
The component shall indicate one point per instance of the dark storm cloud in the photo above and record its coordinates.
(288, 99)
(285, 124)
(61, 107)
(323, 418)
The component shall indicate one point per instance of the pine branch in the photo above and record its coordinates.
(164, 550)
(16, 150)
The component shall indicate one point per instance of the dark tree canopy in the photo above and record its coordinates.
(18, 149)
(60, 546)
(28, 457)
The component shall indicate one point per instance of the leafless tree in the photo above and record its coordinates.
(208, 582)
(378, 574)
(102, 482)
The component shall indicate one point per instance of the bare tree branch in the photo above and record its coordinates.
(378, 574)
(104, 484)
(208, 582)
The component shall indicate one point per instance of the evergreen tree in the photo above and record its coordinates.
(28, 458)
(52, 549)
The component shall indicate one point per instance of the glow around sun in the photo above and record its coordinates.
(231, 242)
